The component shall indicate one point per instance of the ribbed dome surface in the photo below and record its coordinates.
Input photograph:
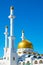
(25, 44)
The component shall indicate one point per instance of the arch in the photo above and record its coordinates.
(28, 63)
(23, 63)
(24, 52)
(19, 63)
(35, 62)
(19, 52)
(40, 61)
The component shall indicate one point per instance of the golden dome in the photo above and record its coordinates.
(25, 44)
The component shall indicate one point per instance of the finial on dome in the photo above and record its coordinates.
(22, 37)
(22, 31)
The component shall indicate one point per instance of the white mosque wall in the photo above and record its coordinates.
(23, 51)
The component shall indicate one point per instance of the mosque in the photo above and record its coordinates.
(25, 54)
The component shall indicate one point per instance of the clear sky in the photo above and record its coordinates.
(29, 17)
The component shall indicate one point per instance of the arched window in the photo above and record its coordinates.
(19, 52)
(13, 58)
(35, 62)
(29, 55)
(24, 52)
(34, 56)
(29, 52)
(23, 63)
(19, 63)
(4, 57)
(28, 63)
(40, 61)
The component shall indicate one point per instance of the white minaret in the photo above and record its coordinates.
(22, 37)
(6, 41)
(11, 38)
(6, 37)
(11, 17)
(12, 55)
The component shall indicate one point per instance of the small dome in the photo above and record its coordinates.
(25, 44)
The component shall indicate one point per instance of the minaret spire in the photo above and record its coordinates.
(11, 17)
(6, 41)
(22, 37)
(12, 52)
(6, 36)
(11, 37)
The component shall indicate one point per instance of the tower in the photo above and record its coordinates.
(6, 41)
(6, 37)
(11, 37)
(12, 52)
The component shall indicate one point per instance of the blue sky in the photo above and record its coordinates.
(29, 17)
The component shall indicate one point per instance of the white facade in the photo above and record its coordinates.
(23, 56)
